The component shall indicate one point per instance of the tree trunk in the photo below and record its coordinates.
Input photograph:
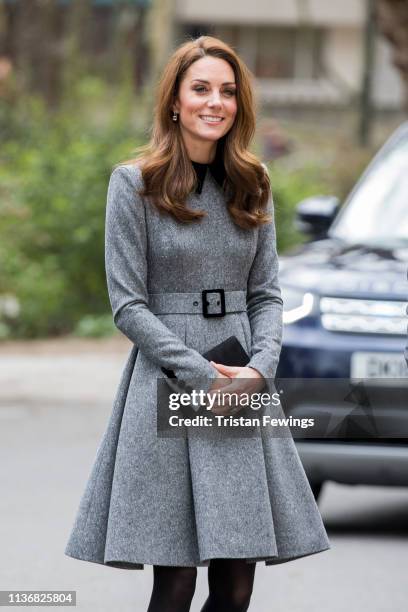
(392, 19)
(37, 47)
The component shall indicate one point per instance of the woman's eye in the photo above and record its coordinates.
(200, 89)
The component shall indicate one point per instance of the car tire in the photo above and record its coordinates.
(316, 489)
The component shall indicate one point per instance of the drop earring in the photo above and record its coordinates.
(174, 116)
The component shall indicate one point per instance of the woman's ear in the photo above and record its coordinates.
(175, 107)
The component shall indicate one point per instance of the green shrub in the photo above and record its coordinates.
(95, 326)
(289, 187)
(54, 173)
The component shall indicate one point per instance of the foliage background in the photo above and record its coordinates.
(54, 172)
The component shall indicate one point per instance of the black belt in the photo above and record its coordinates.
(209, 302)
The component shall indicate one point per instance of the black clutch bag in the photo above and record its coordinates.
(229, 352)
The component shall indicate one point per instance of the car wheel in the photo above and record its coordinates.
(316, 489)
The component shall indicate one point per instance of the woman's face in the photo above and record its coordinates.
(207, 105)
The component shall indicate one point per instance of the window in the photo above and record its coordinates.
(288, 53)
(271, 52)
(275, 53)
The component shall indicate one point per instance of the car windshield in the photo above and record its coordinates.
(377, 212)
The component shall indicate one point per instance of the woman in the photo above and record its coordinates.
(194, 212)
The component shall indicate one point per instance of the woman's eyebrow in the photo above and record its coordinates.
(208, 82)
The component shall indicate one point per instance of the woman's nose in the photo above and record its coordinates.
(215, 99)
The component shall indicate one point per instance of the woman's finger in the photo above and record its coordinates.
(225, 368)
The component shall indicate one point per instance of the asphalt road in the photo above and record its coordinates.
(55, 399)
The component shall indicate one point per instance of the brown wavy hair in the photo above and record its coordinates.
(167, 171)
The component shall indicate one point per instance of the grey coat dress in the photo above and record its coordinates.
(183, 501)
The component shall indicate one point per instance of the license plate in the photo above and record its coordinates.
(378, 365)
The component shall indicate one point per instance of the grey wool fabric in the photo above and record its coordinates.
(183, 501)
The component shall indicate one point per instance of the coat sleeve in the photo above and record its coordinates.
(264, 301)
(127, 273)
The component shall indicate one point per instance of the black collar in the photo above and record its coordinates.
(217, 170)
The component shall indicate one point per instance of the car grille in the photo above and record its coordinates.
(364, 316)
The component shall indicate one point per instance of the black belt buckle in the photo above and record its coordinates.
(206, 304)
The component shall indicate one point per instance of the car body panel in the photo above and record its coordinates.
(365, 276)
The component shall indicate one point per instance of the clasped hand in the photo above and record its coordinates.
(234, 380)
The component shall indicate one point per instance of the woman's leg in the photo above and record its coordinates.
(173, 588)
(230, 582)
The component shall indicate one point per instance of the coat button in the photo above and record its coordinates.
(195, 303)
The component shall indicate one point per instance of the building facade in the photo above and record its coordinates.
(302, 52)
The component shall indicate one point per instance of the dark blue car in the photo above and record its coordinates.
(345, 299)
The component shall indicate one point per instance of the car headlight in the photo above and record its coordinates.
(296, 304)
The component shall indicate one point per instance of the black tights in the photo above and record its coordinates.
(230, 584)
(173, 588)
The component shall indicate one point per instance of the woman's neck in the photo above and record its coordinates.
(201, 154)
(202, 159)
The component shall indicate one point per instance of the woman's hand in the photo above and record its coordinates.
(241, 380)
(220, 380)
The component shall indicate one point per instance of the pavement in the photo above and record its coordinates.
(55, 399)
